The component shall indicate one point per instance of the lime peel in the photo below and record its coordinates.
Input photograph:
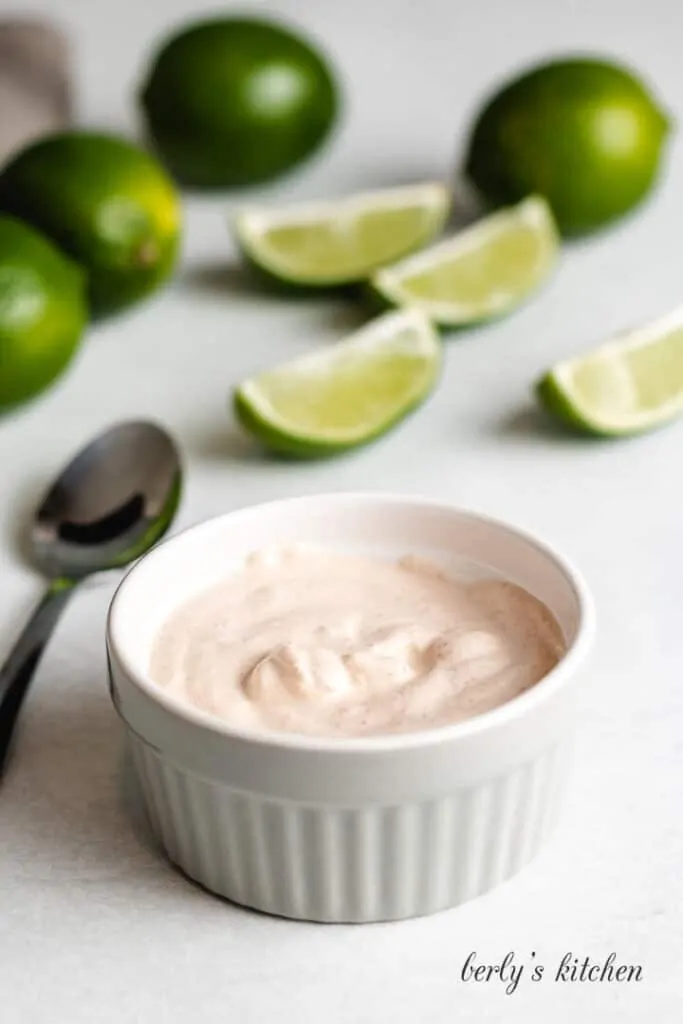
(586, 133)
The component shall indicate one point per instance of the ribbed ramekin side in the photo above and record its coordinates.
(372, 863)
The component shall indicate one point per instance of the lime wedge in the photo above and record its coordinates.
(336, 242)
(347, 394)
(482, 272)
(629, 385)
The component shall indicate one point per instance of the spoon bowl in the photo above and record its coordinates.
(113, 501)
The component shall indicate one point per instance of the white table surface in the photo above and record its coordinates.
(94, 926)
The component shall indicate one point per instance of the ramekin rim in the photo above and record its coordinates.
(386, 742)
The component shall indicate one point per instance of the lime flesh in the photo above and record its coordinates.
(342, 241)
(346, 395)
(482, 272)
(627, 386)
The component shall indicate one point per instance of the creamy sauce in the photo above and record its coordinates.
(312, 641)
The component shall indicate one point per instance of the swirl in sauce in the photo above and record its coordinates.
(312, 641)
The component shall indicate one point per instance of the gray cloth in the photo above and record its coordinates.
(35, 88)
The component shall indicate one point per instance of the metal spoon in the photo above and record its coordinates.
(113, 501)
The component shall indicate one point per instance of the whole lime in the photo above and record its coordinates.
(42, 311)
(237, 101)
(584, 133)
(107, 203)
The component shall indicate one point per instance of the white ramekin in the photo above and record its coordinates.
(364, 829)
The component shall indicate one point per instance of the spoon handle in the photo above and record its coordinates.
(18, 669)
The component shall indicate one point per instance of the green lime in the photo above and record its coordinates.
(484, 271)
(107, 203)
(584, 133)
(344, 395)
(341, 241)
(42, 312)
(627, 386)
(236, 101)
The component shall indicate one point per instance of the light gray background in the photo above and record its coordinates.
(94, 926)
